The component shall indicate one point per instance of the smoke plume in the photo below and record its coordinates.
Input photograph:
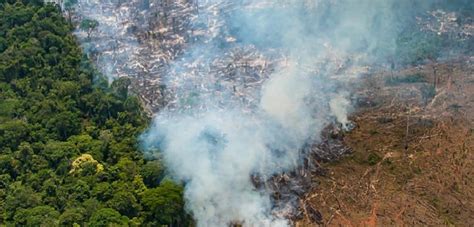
(214, 137)
(253, 83)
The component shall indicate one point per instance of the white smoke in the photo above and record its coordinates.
(215, 155)
(215, 151)
(340, 105)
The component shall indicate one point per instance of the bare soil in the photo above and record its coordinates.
(413, 152)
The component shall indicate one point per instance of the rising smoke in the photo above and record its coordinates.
(219, 130)
(217, 142)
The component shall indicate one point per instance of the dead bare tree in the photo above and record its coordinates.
(407, 130)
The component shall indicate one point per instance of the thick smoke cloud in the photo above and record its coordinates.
(215, 151)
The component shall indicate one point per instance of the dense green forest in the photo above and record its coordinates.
(68, 144)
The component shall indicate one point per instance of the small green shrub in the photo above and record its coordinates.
(373, 159)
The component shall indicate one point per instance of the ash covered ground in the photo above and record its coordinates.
(143, 40)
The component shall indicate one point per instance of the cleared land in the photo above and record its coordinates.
(422, 174)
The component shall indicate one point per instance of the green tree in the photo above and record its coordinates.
(124, 202)
(20, 197)
(72, 216)
(164, 203)
(55, 151)
(127, 169)
(103, 191)
(37, 216)
(89, 25)
(152, 173)
(64, 124)
(120, 87)
(107, 217)
(13, 132)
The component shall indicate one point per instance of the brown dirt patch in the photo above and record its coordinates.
(423, 177)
